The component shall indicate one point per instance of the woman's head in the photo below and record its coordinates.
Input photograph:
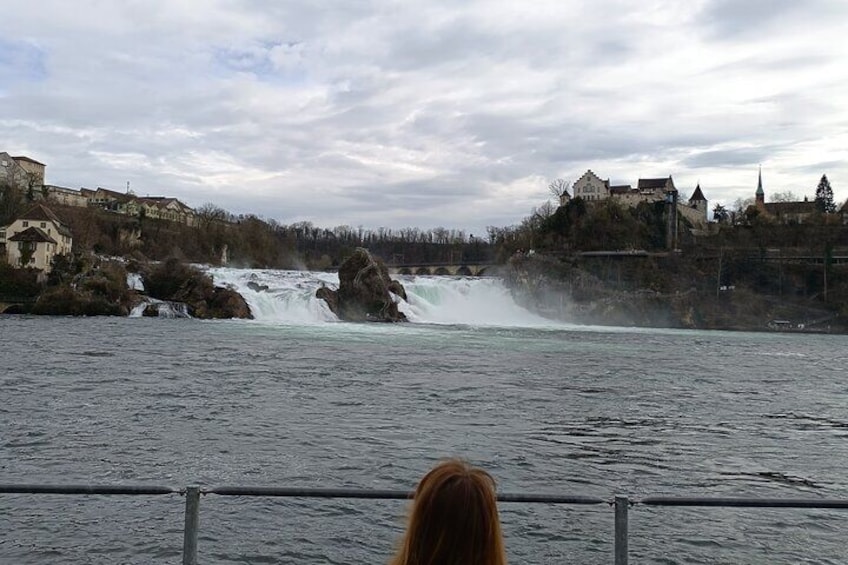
(454, 519)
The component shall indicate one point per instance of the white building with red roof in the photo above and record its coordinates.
(35, 238)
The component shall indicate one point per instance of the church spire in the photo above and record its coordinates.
(761, 195)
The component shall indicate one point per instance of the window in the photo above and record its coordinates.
(26, 224)
(43, 225)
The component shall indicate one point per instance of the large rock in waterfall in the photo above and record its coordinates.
(174, 281)
(366, 292)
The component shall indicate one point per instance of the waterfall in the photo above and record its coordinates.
(163, 308)
(288, 297)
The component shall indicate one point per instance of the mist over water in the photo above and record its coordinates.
(288, 297)
(296, 398)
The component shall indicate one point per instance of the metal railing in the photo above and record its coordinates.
(620, 504)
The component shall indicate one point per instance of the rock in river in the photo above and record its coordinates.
(366, 292)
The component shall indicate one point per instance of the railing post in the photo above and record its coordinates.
(621, 507)
(192, 522)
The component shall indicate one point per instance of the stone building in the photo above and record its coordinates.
(34, 169)
(21, 172)
(591, 187)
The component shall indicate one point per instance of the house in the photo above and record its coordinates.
(36, 236)
(791, 212)
(166, 208)
(107, 199)
(127, 203)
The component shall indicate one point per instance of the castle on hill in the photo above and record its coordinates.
(591, 188)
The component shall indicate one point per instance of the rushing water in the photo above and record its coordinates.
(296, 398)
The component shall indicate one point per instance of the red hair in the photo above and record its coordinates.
(454, 519)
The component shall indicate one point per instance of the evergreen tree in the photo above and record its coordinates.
(824, 196)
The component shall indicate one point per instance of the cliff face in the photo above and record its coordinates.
(669, 291)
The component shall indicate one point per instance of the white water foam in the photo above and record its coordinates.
(288, 297)
(164, 309)
(134, 282)
(465, 300)
(280, 296)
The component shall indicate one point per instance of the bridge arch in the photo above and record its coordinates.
(470, 269)
(464, 271)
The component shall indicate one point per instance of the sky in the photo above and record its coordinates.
(424, 113)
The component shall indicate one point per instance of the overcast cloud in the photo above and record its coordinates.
(424, 113)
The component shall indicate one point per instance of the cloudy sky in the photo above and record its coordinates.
(424, 113)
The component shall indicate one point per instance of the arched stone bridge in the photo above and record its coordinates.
(448, 269)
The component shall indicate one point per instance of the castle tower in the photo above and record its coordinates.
(698, 201)
(761, 196)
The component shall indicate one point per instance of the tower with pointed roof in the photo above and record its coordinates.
(761, 195)
(698, 201)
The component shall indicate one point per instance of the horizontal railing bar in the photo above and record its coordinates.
(743, 502)
(385, 494)
(86, 489)
(738, 502)
(307, 492)
(551, 499)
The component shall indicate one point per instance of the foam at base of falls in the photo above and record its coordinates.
(288, 297)
(164, 309)
(472, 301)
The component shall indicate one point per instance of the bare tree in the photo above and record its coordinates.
(209, 213)
(785, 196)
(739, 209)
(559, 189)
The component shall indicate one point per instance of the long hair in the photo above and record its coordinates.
(454, 519)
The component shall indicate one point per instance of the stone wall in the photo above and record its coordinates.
(12, 173)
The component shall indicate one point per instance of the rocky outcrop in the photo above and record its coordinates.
(175, 282)
(98, 289)
(366, 292)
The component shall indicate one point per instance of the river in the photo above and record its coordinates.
(296, 398)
